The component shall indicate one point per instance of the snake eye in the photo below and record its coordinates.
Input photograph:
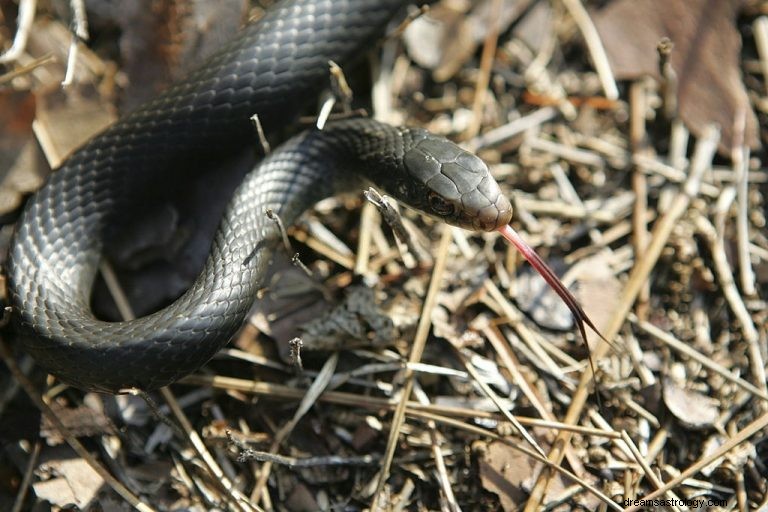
(439, 205)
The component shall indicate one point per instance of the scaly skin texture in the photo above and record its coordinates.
(271, 69)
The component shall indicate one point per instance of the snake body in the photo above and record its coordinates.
(271, 69)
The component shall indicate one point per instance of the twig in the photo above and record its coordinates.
(296, 344)
(497, 402)
(233, 495)
(678, 148)
(71, 440)
(367, 217)
(278, 391)
(26, 18)
(419, 341)
(340, 93)
(27, 68)
(116, 291)
(668, 78)
(340, 88)
(274, 217)
(156, 412)
(413, 15)
(700, 358)
(256, 122)
(515, 445)
(507, 356)
(575, 155)
(705, 150)
(325, 250)
(638, 136)
(80, 34)
(184, 427)
(392, 218)
(649, 474)
(29, 472)
(505, 132)
(595, 47)
(484, 77)
(309, 399)
(248, 454)
(760, 29)
(740, 159)
(733, 297)
(437, 454)
(744, 434)
(296, 262)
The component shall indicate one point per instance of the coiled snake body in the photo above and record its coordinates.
(270, 69)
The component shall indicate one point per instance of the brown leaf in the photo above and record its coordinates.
(19, 172)
(505, 472)
(161, 41)
(66, 119)
(66, 480)
(598, 290)
(705, 57)
(447, 36)
(82, 421)
(692, 409)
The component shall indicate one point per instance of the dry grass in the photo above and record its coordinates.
(484, 399)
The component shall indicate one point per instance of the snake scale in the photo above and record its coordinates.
(271, 68)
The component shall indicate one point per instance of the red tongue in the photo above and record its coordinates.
(552, 280)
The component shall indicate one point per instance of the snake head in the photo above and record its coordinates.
(452, 185)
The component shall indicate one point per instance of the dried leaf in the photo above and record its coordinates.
(705, 57)
(444, 39)
(295, 307)
(504, 471)
(536, 298)
(598, 290)
(692, 409)
(161, 41)
(82, 421)
(20, 172)
(66, 119)
(510, 474)
(73, 481)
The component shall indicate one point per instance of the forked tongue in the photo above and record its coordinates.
(554, 282)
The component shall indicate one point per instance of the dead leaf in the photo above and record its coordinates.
(598, 291)
(504, 471)
(20, 172)
(161, 41)
(294, 306)
(66, 119)
(705, 57)
(511, 475)
(356, 320)
(82, 421)
(692, 409)
(72, 481)
(537, 299)
(448, 35)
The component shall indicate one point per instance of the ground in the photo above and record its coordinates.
(627, 135)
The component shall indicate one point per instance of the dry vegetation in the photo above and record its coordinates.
(655, 218)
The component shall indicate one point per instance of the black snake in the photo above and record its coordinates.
(272, 68)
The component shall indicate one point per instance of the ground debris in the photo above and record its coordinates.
(705, 58)
(663, 242)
